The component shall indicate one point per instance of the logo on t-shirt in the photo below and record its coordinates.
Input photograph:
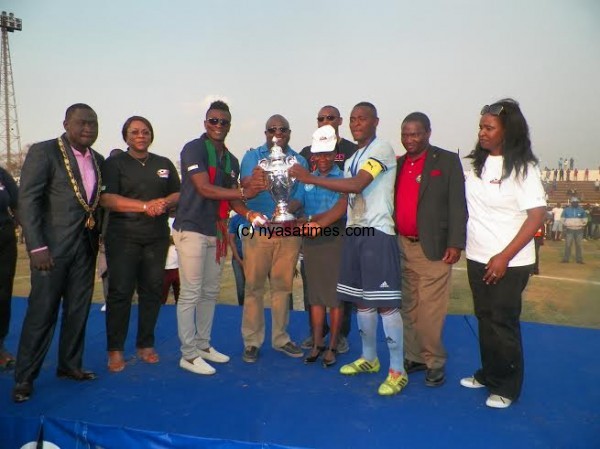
(162, 173)
(308, 187)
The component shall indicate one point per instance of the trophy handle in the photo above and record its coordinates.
(289, 161)
(264, 164)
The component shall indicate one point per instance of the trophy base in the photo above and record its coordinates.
(277, 226)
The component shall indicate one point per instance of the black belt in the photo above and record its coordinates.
(411, 238)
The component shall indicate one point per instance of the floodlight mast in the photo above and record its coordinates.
(9, 137)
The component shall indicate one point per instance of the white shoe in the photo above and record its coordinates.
(497, 401)
(214, 356)
(198, 366)
(471, 382)
(103, 308)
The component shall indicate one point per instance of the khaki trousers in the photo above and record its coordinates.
(425, 296)
(275, 259)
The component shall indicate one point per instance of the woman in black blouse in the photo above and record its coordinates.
(139, 188)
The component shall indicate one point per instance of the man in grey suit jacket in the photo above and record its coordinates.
(431, 217)
(59, 193)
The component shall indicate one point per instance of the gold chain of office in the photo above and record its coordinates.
(90, 222)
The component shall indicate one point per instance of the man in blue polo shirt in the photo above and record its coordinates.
(268, 255)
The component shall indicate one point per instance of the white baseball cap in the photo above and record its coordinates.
(323, 140)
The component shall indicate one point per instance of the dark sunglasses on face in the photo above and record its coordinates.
(215, 121)
(330, 118)
(495, 109)
(274, 129)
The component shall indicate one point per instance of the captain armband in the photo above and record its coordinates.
(372, 167)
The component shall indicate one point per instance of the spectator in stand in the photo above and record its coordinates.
(575, 174)
(595, 213)
(538, 240)
(554, 174)
(571, 163)
(565, 163)
(568, 174)
(597, 185)
(574, 220)
(560, 162)
(557, 224)
(587, 231)
(548, 222)
(238, 225)
(8, 256)
(171, 276)
(561, 175)
(586, 174)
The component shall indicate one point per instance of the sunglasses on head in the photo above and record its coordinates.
(330, 118)
(495, 109)
(215, 121)
(274, 129)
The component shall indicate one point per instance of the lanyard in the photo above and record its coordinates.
(354, 164)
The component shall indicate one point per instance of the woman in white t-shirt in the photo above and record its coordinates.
(506, 204)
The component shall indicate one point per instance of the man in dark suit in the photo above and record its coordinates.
(431, 216)
(59, 193)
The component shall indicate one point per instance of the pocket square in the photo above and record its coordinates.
(436, 173)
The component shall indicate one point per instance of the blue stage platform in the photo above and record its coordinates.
(281, 403)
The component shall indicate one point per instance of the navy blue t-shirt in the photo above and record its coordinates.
(194, 212)
(8, 197)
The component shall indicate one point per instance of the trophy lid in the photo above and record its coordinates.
(276, 150)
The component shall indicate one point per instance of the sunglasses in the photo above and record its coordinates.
(495, 109)
(216, 121)
(274, 129)
(330, 118)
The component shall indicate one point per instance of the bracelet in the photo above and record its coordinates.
(243, 195)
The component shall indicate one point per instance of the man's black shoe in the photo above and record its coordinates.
(22, 391)
(435, 377)
(413, 367)
(250, 354)
(79, 375)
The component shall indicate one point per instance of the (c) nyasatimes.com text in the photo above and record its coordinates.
(305, 231)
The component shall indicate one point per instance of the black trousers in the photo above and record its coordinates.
(347, 306)
(72, 279)
(133, 263)
(8, 263)
(498, 310)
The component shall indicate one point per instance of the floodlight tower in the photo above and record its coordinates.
(10, 140)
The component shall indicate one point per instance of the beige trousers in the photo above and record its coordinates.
(425, 295)
(275, 259)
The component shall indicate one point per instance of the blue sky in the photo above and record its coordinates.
(166, 60)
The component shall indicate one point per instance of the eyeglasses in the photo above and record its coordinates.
(216, 121)
(137, 132)
(274, 129)
(330, 118)
(495, 109)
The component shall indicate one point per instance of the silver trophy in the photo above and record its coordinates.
(280, 183)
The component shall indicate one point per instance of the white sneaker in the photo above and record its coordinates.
(497, 401)
(214, 356)
(198, 366)
(471, 382)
